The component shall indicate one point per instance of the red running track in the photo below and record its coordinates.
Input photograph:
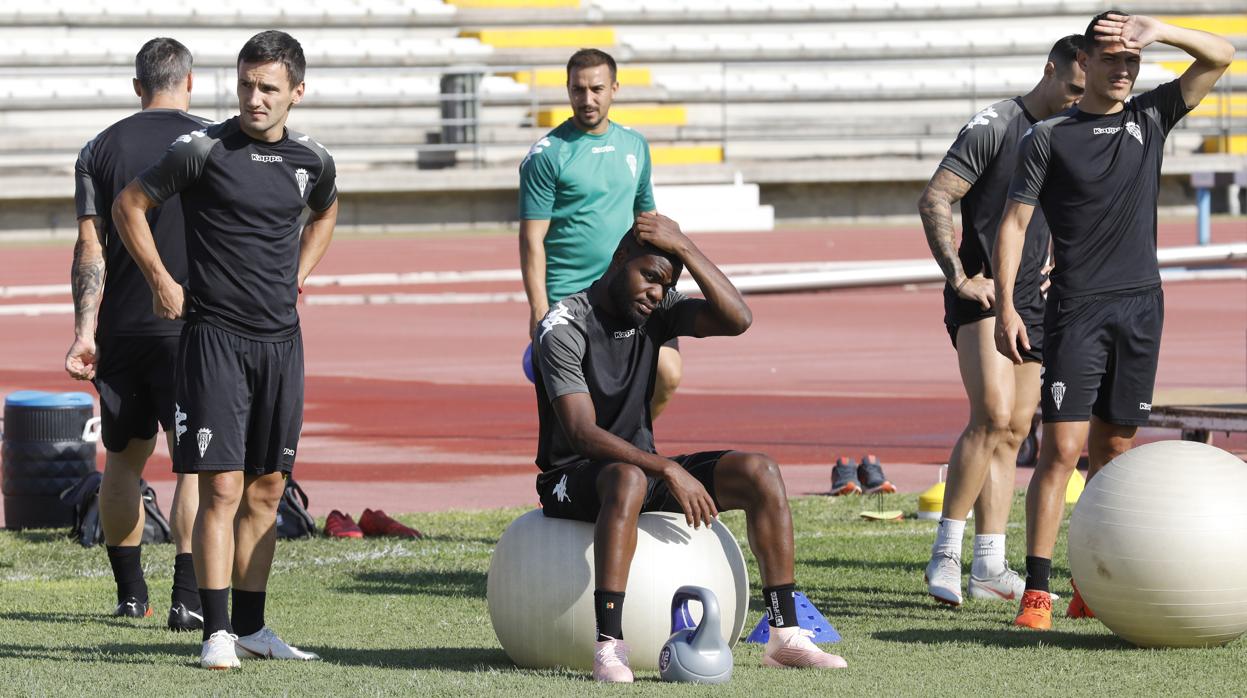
(418, 407)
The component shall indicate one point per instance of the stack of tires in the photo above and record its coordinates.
(47, 447)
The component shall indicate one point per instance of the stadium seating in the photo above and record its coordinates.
(709, 81)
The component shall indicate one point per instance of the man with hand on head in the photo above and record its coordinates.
(596, 356)
(581, 186)
(1095, 172)
(245, 184)
(128, 352)
(977, 171)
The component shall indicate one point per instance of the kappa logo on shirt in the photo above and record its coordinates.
(558, 315)
(186, 137)
(625, 333)
(535, 150)
(982, 118)
(1105, 130)
(603, 149)
(256, 157)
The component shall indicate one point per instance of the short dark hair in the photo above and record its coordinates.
(590, 58)
(275, 46)
(633, 248)
(161, 64)
(1065, 51)
(1088, 37)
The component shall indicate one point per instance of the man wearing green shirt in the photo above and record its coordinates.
(581, 186)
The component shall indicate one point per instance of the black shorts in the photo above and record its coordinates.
(1101, 356)
(1034, 335)
(134, 377)
(570, 492)
(239, 403)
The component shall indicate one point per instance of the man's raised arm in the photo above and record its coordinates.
(725, 312)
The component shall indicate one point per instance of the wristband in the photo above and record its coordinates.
(963, 283)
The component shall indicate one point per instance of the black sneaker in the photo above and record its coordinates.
(844, 478)
(182, 618)
(131, 607)
(870, 473)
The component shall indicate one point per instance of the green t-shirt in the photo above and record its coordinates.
(590, 187)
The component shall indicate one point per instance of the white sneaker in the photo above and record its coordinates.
(794, 648)
(1006, 586)
(264, 644)
(218, 651)
(610, 662)
(943, 578)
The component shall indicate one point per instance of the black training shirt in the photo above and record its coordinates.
(1097, 178)
(243, 202)
(581, 349)
(105, 166)
(985, 155)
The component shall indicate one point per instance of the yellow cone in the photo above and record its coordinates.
(931, 502)
(1073, 489)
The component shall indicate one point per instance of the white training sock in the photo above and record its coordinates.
(948, 538)
(989, 556)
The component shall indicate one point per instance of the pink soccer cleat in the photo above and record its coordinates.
(792, 648)
(610, 662)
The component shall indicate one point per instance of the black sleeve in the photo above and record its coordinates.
(180, 166)
(976, 146)
(1164, 105)
(677, 315)
(84, 183)
(1032, 168)
(325, 192)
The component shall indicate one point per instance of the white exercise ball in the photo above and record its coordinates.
(540, 587)
(1158, 545)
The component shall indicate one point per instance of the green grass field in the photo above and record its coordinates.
(409, 618)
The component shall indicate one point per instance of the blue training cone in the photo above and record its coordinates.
(807, 616)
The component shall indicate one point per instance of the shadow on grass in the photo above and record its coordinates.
(113, 653)
(74, 618)
(41, 535)
(467, 659)
(1006, 638)
(446, 583)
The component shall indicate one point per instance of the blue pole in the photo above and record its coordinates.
(1203, 206)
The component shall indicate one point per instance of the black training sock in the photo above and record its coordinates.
(185, 589)
(608, 609)
(1038, 570)
(127, 565)
(215, 603)
(248, 615)
(781, 605)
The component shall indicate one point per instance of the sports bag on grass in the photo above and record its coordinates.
(293, 521)
(84, 497)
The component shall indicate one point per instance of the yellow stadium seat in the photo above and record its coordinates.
(1238, 67)
(1225, 25)
(1233, 145)
(642, 115)
(543, 37)
(557, 77)
(686, 154)
(1217, 105)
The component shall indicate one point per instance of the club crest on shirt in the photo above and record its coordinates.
(632, 164)
(1133, 129)
(300, 176)
(1058, 393)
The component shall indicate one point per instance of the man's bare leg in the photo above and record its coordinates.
(1105, 442)
(122, 519)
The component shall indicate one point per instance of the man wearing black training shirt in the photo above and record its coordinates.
(244, 185)
(977, 171)
(129, 352)
(1095, 171)
(596, 358)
